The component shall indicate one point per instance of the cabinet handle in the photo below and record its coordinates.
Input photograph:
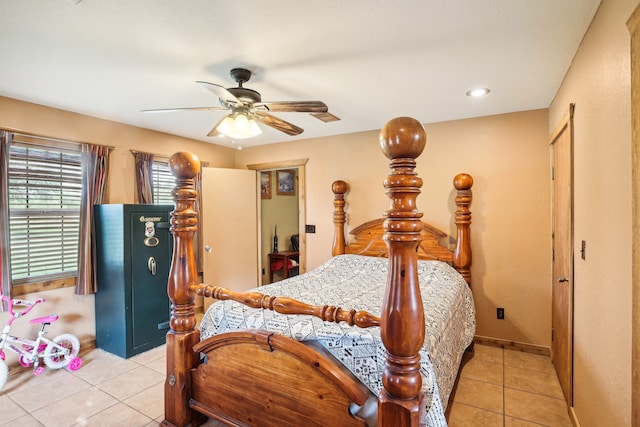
(562, 279)
(151, 265)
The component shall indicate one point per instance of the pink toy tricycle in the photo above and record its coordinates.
(58, 353)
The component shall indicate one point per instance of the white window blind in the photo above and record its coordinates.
(163, 183)
(45, 190)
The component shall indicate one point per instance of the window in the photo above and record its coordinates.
(45, 190)
(163, 183)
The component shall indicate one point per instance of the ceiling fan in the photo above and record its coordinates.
(247, 108)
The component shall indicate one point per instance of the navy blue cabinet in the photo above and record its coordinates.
(133, 248)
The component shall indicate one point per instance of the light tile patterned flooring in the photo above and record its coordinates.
(495, 388)
(509, 388)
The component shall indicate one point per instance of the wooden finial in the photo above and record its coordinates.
(184, 165)
(403, 137)
(463, 181)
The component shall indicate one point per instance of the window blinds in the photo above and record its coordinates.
(163, 183)
(45, 190)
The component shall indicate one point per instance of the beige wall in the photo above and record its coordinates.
(77, 312)
(508, 156)
(598, 82)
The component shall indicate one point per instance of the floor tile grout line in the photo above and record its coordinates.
(478, 407)
(535, 392)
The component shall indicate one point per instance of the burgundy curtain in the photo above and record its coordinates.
(95, 169)
(5, 274)
(144, 177)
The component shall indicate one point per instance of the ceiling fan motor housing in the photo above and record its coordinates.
(242, 75)
(245, 95)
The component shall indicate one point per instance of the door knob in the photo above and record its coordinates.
(562, 279)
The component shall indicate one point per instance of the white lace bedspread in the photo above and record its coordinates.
(358, 282)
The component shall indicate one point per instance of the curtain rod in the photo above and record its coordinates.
(157, 156)
(48, 138)
(202, 163)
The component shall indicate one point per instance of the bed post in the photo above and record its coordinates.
(183, 334)
(339, 217)
(462, 253)
(402, 322)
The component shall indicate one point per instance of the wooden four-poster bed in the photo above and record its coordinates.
(309, 361)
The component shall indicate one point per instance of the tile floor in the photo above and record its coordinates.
(508, 388)
(496, 388)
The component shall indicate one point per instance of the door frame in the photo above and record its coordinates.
(565, 125)
(633, 24)
(302, 209)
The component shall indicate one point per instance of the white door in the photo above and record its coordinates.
(229, 223)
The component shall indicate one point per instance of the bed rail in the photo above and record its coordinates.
(286, 305)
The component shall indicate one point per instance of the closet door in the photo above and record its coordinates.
(230, 228)
(562, 237)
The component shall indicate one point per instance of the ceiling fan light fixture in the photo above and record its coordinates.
(239, 126)
(482, 91)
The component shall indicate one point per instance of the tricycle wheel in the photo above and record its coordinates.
(56, 358)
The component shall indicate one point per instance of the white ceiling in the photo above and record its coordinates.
(368, 60)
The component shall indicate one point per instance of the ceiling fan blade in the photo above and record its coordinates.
(214, 130)
(170, 110)
(220, 92)
(279, 124)
(325, 117)
(295, 106)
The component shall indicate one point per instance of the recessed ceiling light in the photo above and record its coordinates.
(479, 92)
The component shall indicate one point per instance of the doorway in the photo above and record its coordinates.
(284, 229)
(562, 238)
(279, 224)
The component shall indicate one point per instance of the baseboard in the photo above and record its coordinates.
(87, 345)
(512, 345)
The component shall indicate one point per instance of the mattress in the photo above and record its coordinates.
(358, 282)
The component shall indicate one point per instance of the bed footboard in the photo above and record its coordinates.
(238, 385)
